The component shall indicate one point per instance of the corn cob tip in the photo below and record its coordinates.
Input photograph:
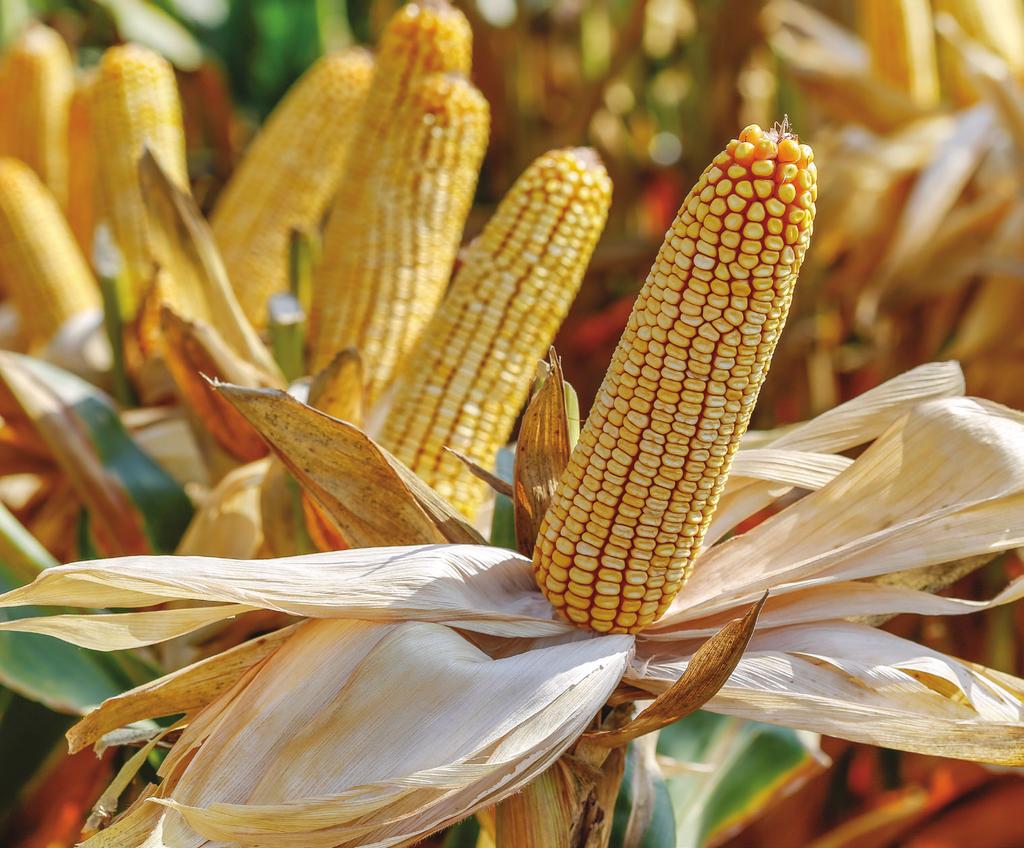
(431, 35)
(627, 520)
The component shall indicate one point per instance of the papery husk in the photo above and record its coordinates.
(372, 497)
(199, 288)
(229, 522)
(542, 452)
(195, 353)
(340, 785)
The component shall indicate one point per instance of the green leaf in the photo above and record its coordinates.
(644, 786)
(463, 835)
(503, 530)
(742, 767)
(64, 407)
(65, 678)
(148, 24)
(29, 733)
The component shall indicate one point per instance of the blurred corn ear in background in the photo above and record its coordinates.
(997, 25)
(642, 484)
(900, 37)
(82, 206)
(420, 40)
(41, 268)
(136, 105)
(36, 80)
(467, 379)
(288, 176)
(388, 256)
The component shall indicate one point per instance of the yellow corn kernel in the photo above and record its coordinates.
(389, 247)
(288, 176)
(467, 379)
(41, 267)
(36, 79)
(421, 39)
(135, 105)
(81, 206)
(636, 498)
(900, 37)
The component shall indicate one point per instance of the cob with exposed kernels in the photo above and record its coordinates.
(135, 105)
(632, 507)
(288, 176)
(421, 39)
(467, 379)
(81, 206)
(36, 80)
(388, 255)
(41, 267)
(900, 37)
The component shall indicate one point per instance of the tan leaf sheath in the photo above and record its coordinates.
(626, 522)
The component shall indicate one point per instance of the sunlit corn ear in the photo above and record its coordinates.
(629, 515)
(81, 206)
(41, 268)
(390, 246)
(467, 379)
(407, 132)
(36, 79)
(136, 106)
(288, 175)
(900, 38)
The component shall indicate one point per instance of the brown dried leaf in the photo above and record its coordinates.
(542, 453)
(199, 287)
(705, 674)
(195, 351)
(116, 521)
(370, 495)
(338, 388)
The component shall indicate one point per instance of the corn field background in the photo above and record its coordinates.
(918, 257)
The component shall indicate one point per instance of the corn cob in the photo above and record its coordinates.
(421, 39)
(900, 38)
(632, 507)
(81, 205)
(135, 104)
(288, 176)
(468, 377)
(36, 80)
(41, 267)
(393, 248)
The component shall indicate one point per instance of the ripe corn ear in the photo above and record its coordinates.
(421, 39)
(82, 189)
(632, 507)
(288, 176)
(900, 37)
(41, 267)
(389, 250)
(36, 79)
(135, 104)
(468, 377)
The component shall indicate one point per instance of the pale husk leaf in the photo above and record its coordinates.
(479, 588)
(866, 685)
(346, 765)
